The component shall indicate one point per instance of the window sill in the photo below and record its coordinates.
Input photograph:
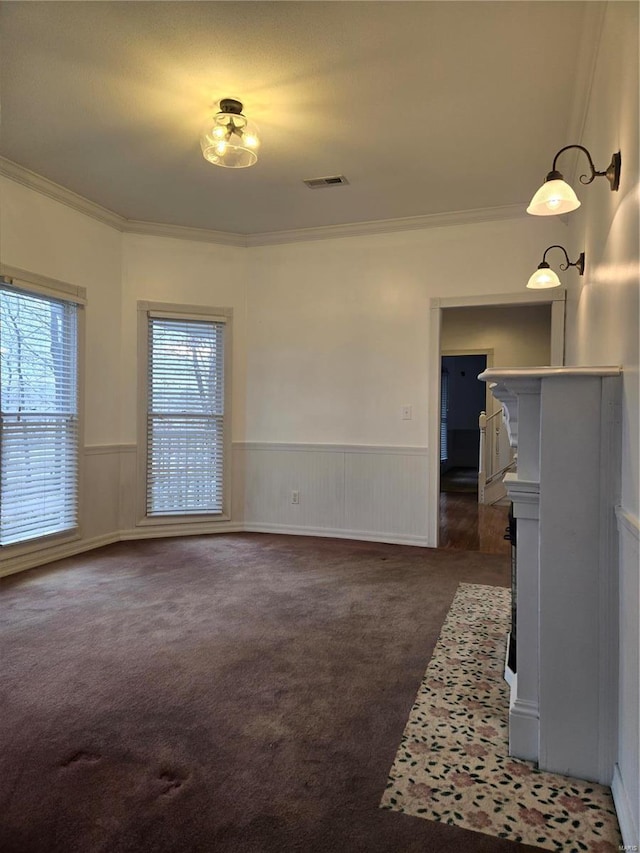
(183, 521)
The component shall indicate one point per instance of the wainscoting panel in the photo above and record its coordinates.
(355, 491)
(237, 483)
(386, 493)
(273, 473)
(100, 490)
(345, 491)
(128, 486)
(626, 783)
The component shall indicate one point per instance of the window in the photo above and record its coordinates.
(444, 414)
(38, 415)
(186, 421)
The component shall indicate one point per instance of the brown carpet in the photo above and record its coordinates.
(231, 693)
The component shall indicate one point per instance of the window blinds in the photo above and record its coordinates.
(444, 414)
(185, 420)
(38, 416)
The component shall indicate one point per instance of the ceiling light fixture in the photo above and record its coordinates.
(555, 196)
(229, 139)
(544, 276)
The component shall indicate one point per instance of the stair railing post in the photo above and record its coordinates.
(482, 470)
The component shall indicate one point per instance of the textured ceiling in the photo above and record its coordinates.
(426, 107)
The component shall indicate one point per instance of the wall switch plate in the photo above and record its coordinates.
(295, 497)
(406, 413)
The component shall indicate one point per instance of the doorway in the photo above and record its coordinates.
(462, 398)
(464, 524)
(471, 307)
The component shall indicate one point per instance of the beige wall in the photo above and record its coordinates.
(603, 306)
(338, 330)
(517, 337)
(180, 272)
(331, 340)
(602, 328)
(42, 236)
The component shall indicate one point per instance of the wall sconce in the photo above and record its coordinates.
(544, 276)
(555, 196)
(229, 138)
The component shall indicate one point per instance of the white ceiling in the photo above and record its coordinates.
(426, 107)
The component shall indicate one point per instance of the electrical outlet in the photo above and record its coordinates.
(406, 413)
(295, 497)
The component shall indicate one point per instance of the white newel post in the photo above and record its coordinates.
(482, 472)
(565, 425)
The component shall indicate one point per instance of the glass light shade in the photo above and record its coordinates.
(230, 140)
(553, 198)
(543, 278)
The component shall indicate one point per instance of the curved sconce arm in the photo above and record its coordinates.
(611, 173)
(545, 277)
(579, 264)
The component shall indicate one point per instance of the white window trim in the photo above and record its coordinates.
(180, 523)
(40, 285)
(44, 286)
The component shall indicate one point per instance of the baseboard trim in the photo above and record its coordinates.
(175, 531)
(45, 556)
(524, 726)
(337, 533)
(630, 832)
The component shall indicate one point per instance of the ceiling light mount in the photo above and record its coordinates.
(231, 106)
(229, 139)
(555, 196)
(545, 277)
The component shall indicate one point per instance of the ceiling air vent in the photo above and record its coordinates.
(333, 181)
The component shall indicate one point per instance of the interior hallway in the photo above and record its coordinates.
(469, 526)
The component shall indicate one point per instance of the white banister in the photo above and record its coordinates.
(494, 456)
(482, 470)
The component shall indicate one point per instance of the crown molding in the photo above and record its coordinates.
(27, 178)
(182, 232)
(389, 226)
(33, 181)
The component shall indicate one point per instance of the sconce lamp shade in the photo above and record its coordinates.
(554, 197)
(545, 277)
(542, 278)
(229, 139)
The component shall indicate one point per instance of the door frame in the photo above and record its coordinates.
(556, 299)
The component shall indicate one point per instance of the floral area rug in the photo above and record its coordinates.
(453, 763)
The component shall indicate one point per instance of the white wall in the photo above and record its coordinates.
(177, 272)
(520, 336)
(338, 330)
(517, 336)
(42, 236)
(602, 328)
(338, 342)
(163, 269)
(48, 238)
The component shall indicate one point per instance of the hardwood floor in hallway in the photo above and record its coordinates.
(468, 526)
